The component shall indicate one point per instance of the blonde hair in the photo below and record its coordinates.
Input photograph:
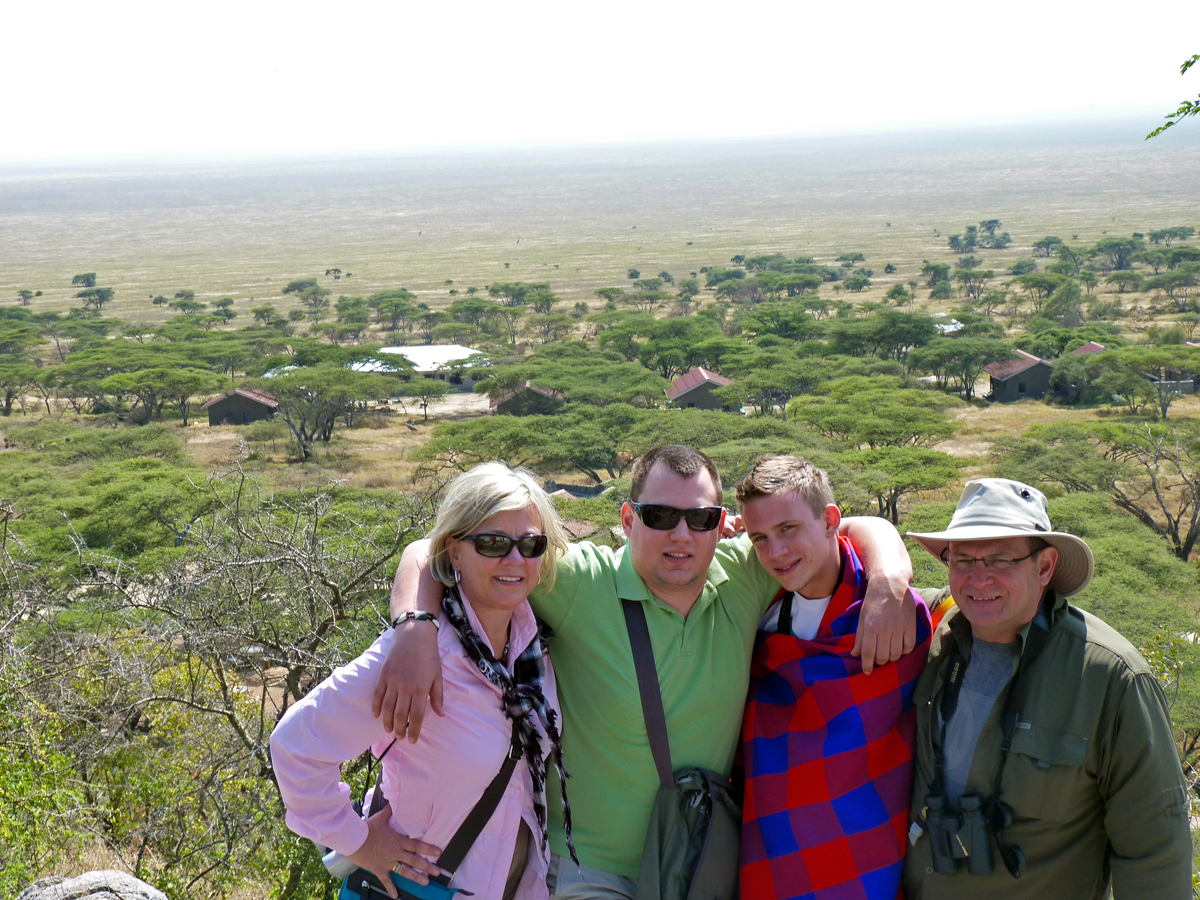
(481, 493)
(773, 475)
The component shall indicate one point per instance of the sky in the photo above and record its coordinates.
(261, 78)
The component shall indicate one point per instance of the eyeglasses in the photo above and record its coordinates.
(498, 545)
(664, 518)
(966, 564)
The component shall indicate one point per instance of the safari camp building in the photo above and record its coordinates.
(240, 407)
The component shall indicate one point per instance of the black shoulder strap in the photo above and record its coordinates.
(479, 815)
(647, 676)
(784, 626)
(463, 839)
(377, 800)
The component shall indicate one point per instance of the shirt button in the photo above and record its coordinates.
(929, 871)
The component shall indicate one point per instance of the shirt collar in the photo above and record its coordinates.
(630, 585)
(522, 632)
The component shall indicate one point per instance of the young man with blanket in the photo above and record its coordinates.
(827, 749)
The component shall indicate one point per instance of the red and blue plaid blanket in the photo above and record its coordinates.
(828, 758)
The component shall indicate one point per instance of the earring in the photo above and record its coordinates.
(457, 577)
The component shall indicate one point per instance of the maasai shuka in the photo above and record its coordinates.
(828, 758)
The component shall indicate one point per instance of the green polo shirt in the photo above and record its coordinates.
(703, 665)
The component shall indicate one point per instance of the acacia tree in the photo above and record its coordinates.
(767, 380)
(863, 411)
(579, 374)
(890, 473)
(513, 293)
(312, 399)
(426, 391)
(1165, 236)
(959, 360)
(154, 387)
(1120, 251)
(1152, 471)
(1176, 285)
(395, 309)
(95, 298)
(510, 317)
(16, 379)
(1141, 376)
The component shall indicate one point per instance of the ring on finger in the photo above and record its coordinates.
(396, 868)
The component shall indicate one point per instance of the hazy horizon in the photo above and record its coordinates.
(1131, 126)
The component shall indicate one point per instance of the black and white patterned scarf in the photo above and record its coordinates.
(522, 695)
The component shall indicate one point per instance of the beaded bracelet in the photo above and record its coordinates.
(416, 617)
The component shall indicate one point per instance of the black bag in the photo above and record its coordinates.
(693, 838)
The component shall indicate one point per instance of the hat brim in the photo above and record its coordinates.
(1072, 573)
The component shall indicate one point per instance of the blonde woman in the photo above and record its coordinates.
(496, 537)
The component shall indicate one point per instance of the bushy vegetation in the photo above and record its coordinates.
(139, 696)
(156, 619)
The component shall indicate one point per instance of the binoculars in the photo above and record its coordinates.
(966, 834)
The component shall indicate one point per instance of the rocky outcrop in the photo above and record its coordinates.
(106, 885)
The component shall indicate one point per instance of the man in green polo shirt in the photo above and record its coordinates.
(703, 600)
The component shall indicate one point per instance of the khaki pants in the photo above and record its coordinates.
(568, 881)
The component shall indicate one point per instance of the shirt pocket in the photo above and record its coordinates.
(1044, 773)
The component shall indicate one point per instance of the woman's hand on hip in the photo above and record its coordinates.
(384, 851)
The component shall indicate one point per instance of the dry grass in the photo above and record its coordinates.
(374, 454)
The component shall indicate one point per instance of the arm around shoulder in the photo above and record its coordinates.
(888, 626)
(412, 669)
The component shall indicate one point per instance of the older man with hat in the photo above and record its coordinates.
(1045, 764)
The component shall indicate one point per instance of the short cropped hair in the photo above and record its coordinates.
(676, 458)
(773, 475)
(481, 493)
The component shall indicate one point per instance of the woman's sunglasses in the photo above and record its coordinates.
(664, 518)
(497, 545)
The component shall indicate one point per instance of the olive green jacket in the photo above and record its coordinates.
(1092, 776)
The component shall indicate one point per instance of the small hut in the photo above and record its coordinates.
(240, 406)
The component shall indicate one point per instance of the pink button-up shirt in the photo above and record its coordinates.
(432, 785)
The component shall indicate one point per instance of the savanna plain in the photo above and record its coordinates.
(170, 587)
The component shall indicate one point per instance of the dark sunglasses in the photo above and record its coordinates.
(497, 545)
(664, 518)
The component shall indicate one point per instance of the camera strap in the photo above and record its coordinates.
(1035, 642)
(468, 831)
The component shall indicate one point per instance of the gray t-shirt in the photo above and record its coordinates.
(991, 667)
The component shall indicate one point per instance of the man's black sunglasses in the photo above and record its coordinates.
(664, 518)
(498, 545)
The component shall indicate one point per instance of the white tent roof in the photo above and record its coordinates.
(430, 358)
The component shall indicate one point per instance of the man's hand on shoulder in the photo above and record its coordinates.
(733, 526)
(887, 627)
(412, 669)
(412, 672)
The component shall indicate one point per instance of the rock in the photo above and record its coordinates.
(109, 884)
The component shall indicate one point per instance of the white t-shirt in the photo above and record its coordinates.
(806, 616)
